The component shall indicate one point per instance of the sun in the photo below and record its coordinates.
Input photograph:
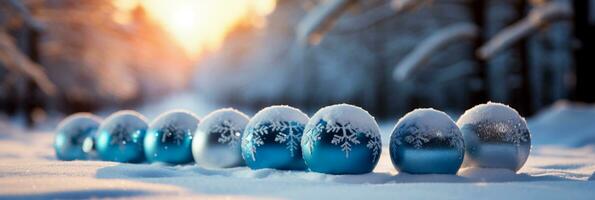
(197, 25)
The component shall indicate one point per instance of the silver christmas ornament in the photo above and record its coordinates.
(217, 140)
(496, 136)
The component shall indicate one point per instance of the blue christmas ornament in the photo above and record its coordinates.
(496, 136)
(427, 141)
(71, 133)
(169, 138)
(272, 139)
(120, 137)
(341, 139)
(217, 139)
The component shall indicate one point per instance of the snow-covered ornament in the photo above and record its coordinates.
(169, 138)
(341, 139)
(216, 142)
(71, 133)
(120, 137)
(496, 136)
(427, 141)
(272, 139)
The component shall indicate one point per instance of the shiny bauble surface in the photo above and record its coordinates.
(120, 137)
(496, 136)
(216, 143)
(426, 141)
(169, 138)
(272, 139)
(341, 139)
(71, 134)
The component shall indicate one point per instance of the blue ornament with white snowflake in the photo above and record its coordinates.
(496, 136)
(169, 138)
(120, 137)
(272, 139)
(216, 142)
(71, 133)
(427, 141)
(341, 139)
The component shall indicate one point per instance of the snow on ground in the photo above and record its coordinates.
(561, 166)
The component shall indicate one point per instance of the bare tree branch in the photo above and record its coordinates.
(405, 5)
(423, 52)
(538, 17)
(322, 17)
(15, 61)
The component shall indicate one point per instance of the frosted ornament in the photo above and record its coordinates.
(496, 136)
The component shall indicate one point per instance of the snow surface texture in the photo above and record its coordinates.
(561, 166)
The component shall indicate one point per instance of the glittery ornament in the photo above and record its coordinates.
(496, 136)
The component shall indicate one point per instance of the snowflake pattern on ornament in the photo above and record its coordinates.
(120, 135)
(417, 136)
(345, 136)
(256, 135)
(374, 144)
(171, 131)
(313, 135)
(229, 133)
(289, 133)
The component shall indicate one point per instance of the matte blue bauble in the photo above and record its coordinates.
(169, 138)
(71, 133)
(217, 139)
(120, 137)
(496, 136)
(426, 141)
(341, 139)
(272, 139)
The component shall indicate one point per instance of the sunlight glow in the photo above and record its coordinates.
(198, 25)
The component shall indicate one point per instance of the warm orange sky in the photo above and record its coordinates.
(198, 25)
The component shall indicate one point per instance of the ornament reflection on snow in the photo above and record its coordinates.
(272, 139)
(426, 141)
(216, 142)
(341, 139)
(120, 137)
(169, 137)
(71, 133)
(496, 136)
